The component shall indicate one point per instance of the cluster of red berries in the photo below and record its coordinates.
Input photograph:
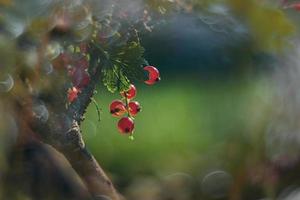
(119, 107)
(76, 65)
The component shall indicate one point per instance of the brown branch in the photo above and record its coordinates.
(74, 148)
(70, 143)
(67, 138)
(77, 109)
(86, 165)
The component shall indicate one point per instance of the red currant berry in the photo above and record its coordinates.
(117, 108)
(82, 62)
(131, 93)
(80, 78)
(83, 48)
(72, 94)
(153, 76)
(66, 58)
(62, 61)
(85, 80)
(126, 125)
(134, 108)
(296, 6)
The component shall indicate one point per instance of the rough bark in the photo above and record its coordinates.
(67, 138)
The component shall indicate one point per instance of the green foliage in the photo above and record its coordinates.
(130, 59)
(162, 6)
(270, 27)
(114, 79)
(197, 126)
(125, 64)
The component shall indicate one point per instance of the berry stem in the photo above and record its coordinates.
(97, 108)
(128, 114)
(127, 105)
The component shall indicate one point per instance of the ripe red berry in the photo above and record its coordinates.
(66, 58)
(296, 6)
(80, 78)
(126, 125)
(72, 94)
(117, 108)
(83, 48)
(131, 93)
(82, 63)
(134, 108)
(153, 76)
(62, 61)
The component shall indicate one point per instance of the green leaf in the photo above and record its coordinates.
(125, 64)
(114, 79)
(130, 60)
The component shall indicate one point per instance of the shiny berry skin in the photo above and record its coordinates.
(117, 108)
(134, 108)
(72, 94)
(131, 93)
(126, 125)
(153, 75)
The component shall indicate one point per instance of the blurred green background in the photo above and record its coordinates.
(202, 127)
(223, 121)
(186, 126)
(209, 129)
